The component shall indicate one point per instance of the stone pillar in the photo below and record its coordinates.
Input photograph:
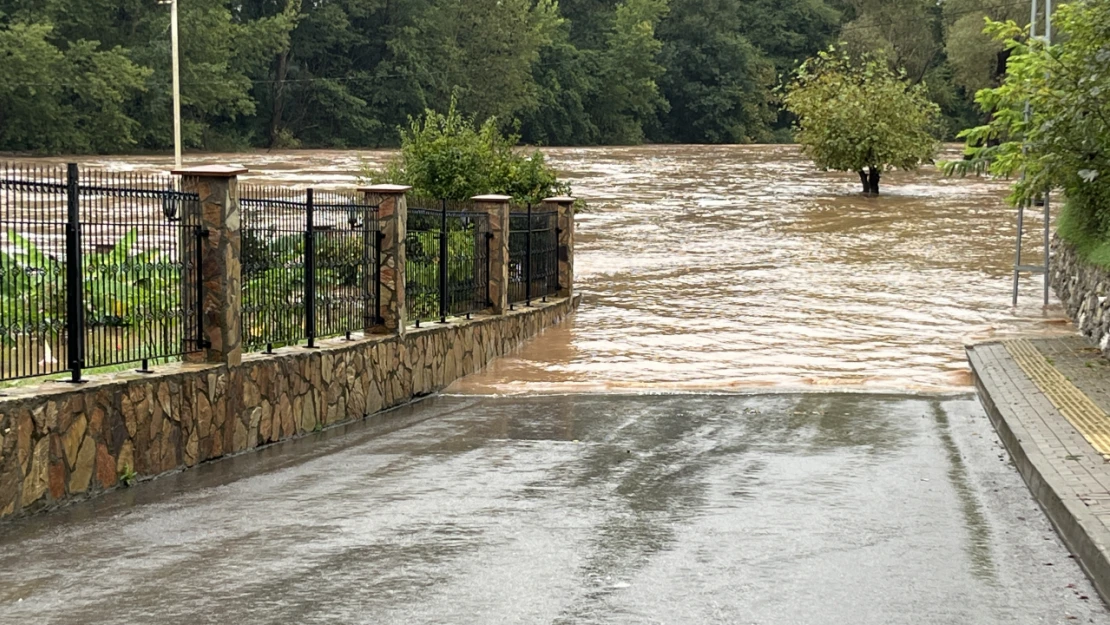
(565, 225)
(497, 206)
(393, 222)
(217, 214)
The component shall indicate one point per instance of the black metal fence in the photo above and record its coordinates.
(446, 260)
(97, 268)
(533, 254)
(311, 265)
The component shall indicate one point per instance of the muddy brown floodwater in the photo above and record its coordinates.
(743, 268)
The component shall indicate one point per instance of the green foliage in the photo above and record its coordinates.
(422, 270)
(717, 83)
(121, 287)
(1071, 227)
(71, 100)
(859, 114)
(94, 76)
(447, 156)
(128, 476)
(1065, 143)
(627, 71)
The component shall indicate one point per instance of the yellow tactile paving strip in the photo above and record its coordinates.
(1084, 415)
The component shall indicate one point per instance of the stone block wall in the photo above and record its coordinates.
(59, 442)
(1084, 290)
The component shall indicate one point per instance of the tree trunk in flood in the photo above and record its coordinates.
(873, 179)
(870, 180)
(279, 97)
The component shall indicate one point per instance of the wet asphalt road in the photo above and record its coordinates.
(806, 509)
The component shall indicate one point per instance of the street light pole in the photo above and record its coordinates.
(176, 88)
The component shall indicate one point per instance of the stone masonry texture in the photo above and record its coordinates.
(1085, 292)
(59, 442)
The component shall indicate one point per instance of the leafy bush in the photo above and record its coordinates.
(447, 156)
(121, 286)
(422, 268)
(1065, 144)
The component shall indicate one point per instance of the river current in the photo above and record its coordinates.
(739, 268)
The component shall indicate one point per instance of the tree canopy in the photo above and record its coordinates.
(858, 114)
(94, 76)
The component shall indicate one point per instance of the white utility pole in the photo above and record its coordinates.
(176, 88)
(1046, 268)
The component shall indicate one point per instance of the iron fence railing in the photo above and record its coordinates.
(310, 263)
(533, 254)
(446, 260)
(97, 268)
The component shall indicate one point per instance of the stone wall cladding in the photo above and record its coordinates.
(1083, 289)
(59, 442)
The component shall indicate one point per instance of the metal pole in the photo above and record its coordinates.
(378, 319)
(1021, 208)
(75, 305)
(1048, 21)
(176, 87)
(1047, 216)
(443, 261)
(1017, 255)
(198, 275)
(309, 273)
(528, 261)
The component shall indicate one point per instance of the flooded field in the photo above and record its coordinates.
(733, 268)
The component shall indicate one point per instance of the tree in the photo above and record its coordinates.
(978, 61)
(717, 84)
(1065, 144)
(72, 100)
(628, 97)
(788, 31)
(861, 116)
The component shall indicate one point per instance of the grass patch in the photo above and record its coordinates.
(1089, 247)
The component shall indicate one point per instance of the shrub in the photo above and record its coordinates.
(447, 156)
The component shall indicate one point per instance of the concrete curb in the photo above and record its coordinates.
(1071, 519)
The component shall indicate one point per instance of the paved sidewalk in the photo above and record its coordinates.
(1049, 400)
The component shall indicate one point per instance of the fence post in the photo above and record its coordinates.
(528, 261)
(75, 287)
(393, 223)
(565, 228)
(309, 272)
(443, 303)
(497, 206)
(217, 216)
(371, 280)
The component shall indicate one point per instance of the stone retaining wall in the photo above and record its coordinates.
(59, 442)
(1083, 289)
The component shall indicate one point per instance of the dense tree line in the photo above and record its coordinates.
(94, 76)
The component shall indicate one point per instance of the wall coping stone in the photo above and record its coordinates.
(216, 171)
(386, 189)
(562, 199)
(492, 198)
(52, 388)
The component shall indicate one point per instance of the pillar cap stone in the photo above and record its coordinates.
(386, 189)
(493, 198)
(211, 171)
(562, 199)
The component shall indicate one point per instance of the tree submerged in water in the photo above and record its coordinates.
(861, 116)
(447, 156)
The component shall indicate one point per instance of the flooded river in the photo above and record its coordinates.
(738, 268)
